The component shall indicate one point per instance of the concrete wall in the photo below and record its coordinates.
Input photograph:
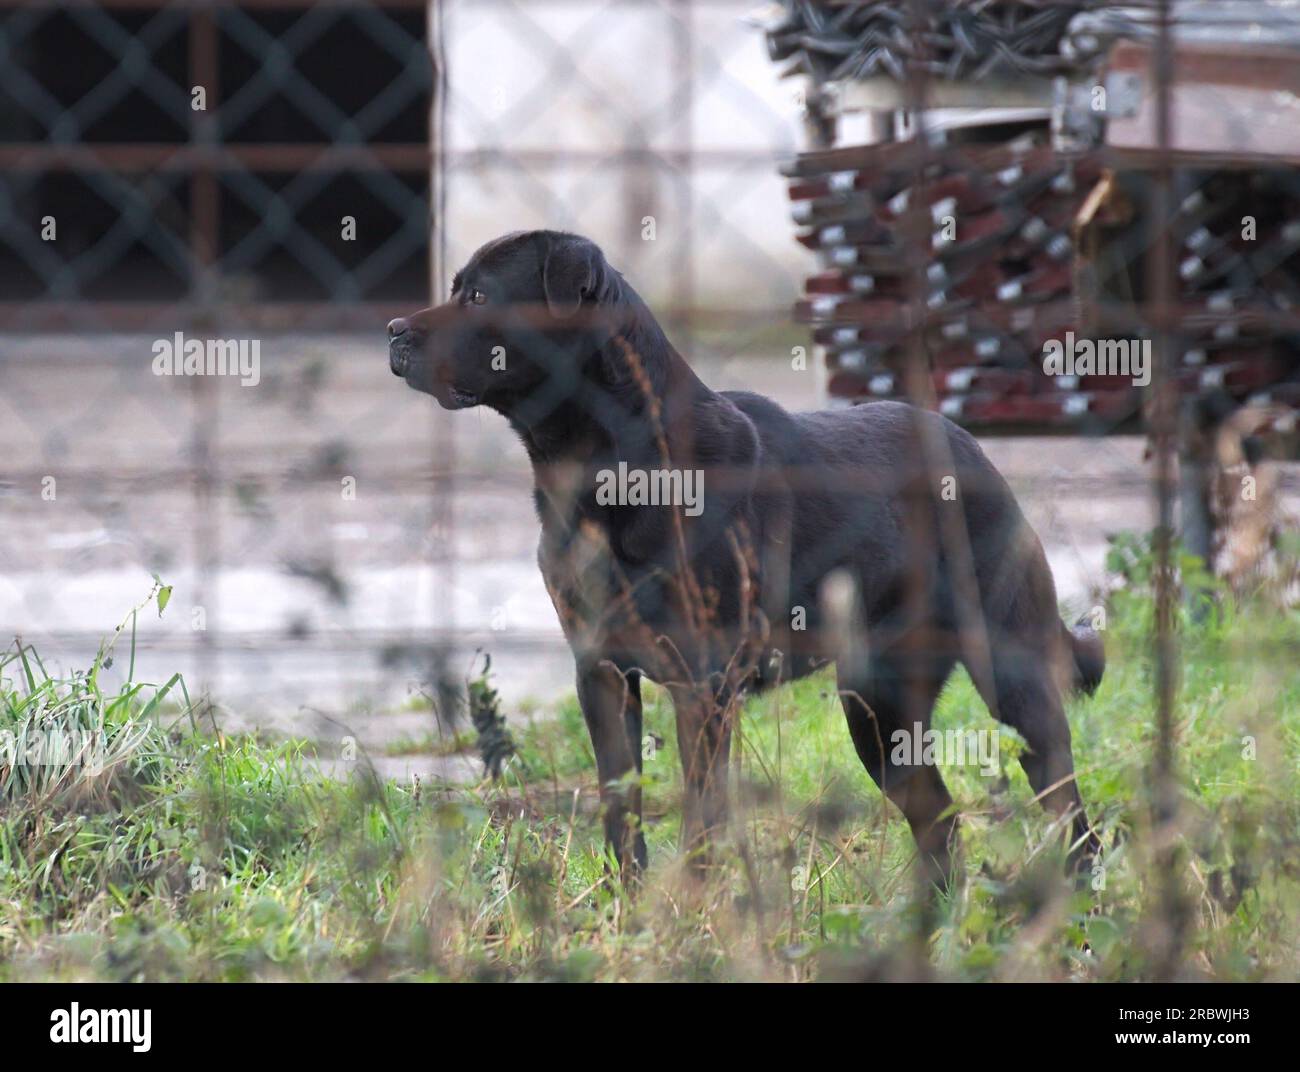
(591, 83)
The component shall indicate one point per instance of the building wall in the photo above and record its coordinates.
(591, 107)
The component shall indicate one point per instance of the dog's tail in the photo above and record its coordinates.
(1089, 655)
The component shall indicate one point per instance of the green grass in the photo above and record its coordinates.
(430, 744)
(191, 856)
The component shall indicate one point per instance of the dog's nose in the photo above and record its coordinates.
(397, 327)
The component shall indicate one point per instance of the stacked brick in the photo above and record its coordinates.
(992, 285)
(1238, 241)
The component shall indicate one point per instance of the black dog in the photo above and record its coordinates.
(894, 508)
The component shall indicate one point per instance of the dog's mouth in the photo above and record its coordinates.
(459, 399)
(417, 374)
(399, 360)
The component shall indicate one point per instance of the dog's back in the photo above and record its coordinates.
(854, 474)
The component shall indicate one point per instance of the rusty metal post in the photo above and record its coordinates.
(204, 69)
(1168, 916)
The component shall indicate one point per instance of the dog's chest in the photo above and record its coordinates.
(578, 568)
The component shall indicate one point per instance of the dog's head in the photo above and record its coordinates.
(525, 313)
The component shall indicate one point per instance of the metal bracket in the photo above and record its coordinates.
(1123, 94)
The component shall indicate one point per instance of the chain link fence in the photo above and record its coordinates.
(179, 172)
(933, 201)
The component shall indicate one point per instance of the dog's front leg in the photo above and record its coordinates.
(611, 705)
(704, 740)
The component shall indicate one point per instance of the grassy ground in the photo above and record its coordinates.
(184, 855)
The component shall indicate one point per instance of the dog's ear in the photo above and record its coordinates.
(574, 269)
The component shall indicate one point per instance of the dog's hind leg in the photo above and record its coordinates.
(611, 706)
(1025, 695)
(891, 694)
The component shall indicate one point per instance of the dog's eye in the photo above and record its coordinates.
(477, 297)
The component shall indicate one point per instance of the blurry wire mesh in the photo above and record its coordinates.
(190, 172)
(988, 181)
(317, 521)
(1041, 227)
(1121, 204)
(200, 158)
